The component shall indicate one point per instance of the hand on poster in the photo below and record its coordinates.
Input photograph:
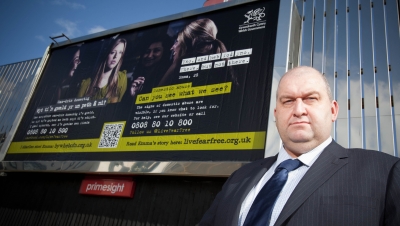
(137, 86)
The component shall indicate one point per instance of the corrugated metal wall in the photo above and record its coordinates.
(15, 80)
(356, 44)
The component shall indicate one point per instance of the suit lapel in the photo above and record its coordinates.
(246, 185)
(328, 163)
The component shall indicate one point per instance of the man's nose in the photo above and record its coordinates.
(299, 108)
(151, 54)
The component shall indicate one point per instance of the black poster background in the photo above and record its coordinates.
(244, 109)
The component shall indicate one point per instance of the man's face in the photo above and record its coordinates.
(304, 112)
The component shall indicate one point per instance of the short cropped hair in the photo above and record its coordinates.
(303, 70)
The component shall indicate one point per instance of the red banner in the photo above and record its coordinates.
(121, 187)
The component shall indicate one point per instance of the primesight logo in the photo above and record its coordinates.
(113, 188)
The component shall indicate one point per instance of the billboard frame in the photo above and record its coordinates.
(287, 39)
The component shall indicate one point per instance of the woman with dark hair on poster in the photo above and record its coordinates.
(67, 88)
(109, 82)
(153, 63)
(199, 38)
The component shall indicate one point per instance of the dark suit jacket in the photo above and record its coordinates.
(342, 187)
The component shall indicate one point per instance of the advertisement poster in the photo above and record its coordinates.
(193, 89)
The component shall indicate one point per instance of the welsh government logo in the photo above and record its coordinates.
(255, 15)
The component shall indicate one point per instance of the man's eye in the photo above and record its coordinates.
(310, 99)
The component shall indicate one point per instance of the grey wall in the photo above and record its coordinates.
(356, 44)
(15, 80)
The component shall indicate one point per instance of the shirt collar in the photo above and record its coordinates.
(307, 158)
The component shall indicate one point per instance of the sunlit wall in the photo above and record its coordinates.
(15, 80)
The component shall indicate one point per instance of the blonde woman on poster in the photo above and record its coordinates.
(109, 82)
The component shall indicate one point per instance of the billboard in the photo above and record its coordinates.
(193, 89)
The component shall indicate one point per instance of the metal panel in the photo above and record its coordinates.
(381, 78)
(368, 79)
(318, 45)
(307, 34)
(4, 83)
(330, 41)
(341, 67)
(12, 95)
(5, 107)
(393, 49)
(354, 105)
(16, 89)
(360, 52)
(294, 43)
(219, 169)
(329, 57)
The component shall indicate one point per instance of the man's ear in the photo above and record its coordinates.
(334, 110)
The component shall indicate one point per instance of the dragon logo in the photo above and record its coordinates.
(255, 15)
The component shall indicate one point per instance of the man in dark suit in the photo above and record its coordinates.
(332, 186)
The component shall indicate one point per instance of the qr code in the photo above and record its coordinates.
(110, 135)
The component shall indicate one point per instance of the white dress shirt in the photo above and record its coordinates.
(294, 178)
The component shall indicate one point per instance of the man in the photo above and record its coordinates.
(332, 185)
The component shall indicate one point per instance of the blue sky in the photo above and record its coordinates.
(25, 25)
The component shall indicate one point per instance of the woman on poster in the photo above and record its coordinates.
(65, 84)
(153, 63)
(67, 88)
(109, 82)
(199, 38)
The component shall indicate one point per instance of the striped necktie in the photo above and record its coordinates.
(261, 209)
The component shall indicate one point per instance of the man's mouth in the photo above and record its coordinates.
(299, 123)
